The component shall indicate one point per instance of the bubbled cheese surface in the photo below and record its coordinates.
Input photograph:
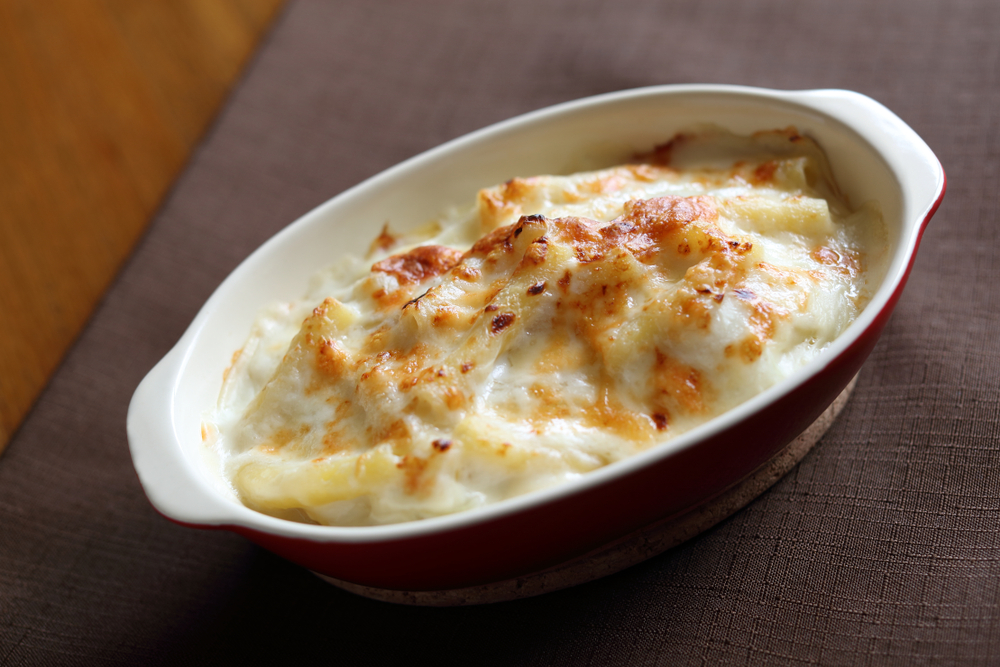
(558, 325)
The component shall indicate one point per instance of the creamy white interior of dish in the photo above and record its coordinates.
(559, 324)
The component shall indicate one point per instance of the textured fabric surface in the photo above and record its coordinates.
(881, 547)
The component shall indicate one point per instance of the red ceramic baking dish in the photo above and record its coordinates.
(874, 156)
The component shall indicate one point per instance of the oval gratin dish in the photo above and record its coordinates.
(874, 156)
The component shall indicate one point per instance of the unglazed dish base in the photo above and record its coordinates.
(629, 550)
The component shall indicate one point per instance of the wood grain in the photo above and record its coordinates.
(101, 102)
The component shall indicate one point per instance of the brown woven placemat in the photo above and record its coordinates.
(881, 547)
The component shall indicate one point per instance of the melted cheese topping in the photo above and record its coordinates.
(561, 324)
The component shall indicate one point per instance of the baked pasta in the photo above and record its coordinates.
(559, 324)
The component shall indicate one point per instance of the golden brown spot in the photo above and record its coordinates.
(383, 241)
(501, 322)
(334, 441)
(415, 302)
(680, 382)
(717, 296)
(427, 374)
(778, 273)
(517, 189)
(661, 154)
(825, 255)
(445, 315)
(762, 321)
(739, 247)
(536, 289)
(408, 362)
(562, 352)
(535, 254)
(454, 399)
(751, 348)
(582, 235)
(764, 173)
(320, 310)
(503, 239)
(845, 263)
(648, 173)
(660, 420)
(690, 308)
(546, 406)
(467, 273)
(394, 432)
(467, 366)
(376, 341)
(441, 445)
(602, 300)
(602, 183)
(331, 359)
(232, 363)
(282, 438)
(662, 215)
(498, 238)
(564, 281)
(609, 414)
(789, 133)
(492, 206)
(496, 287)
(644, 225)
(413, 470)
(422, 262)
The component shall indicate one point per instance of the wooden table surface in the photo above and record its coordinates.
(103, 102)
